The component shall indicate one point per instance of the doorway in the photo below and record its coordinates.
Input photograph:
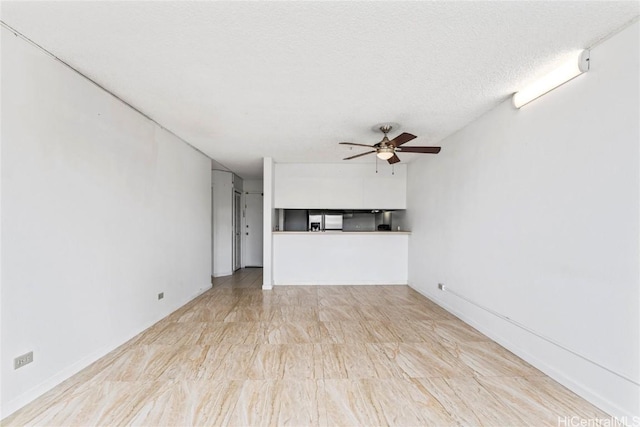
(253, 230)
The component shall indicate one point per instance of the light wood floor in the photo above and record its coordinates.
(305, 356)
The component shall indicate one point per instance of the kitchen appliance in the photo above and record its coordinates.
(332, 222)
(325, 221)
(315, 221)
(384, 227)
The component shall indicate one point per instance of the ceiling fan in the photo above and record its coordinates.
(387, 148)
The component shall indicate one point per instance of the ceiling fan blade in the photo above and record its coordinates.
(352, 143)
(358, 155)
(401, 139)
(430, 150)
(394, 159)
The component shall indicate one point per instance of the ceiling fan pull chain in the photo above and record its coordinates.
(393, 169)
(376, 164)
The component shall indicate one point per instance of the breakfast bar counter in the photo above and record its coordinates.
(340, 257)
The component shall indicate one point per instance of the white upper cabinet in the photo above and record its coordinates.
(385, 191)
(339, 186)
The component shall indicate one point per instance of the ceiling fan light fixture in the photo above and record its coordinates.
(385, 153)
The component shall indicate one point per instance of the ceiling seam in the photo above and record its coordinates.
(614, 32)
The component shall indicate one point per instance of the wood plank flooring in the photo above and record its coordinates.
(308, 356)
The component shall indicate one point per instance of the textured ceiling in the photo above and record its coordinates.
(289, 80)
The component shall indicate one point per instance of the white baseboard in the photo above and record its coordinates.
(196, 295)
(222, 273)
(267, 287)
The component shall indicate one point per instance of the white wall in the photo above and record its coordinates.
(253, 185)
(534, 213)
(215, 165)
(222, 186)
(101, 210)
(238, 183)
(340, 186)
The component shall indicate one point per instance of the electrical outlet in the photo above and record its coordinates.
(161, 295)
(441, 286)
(25, 359)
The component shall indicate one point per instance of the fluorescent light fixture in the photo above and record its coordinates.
(578, 64)
(385, 153)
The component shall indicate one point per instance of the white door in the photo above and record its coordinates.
(253, 230)
(237, 230)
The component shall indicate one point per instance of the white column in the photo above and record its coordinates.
(269, 218)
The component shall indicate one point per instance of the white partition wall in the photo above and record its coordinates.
(268, 224)
(222, 220)
(225, 187)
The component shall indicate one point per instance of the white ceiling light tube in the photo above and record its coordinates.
(573, 68)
